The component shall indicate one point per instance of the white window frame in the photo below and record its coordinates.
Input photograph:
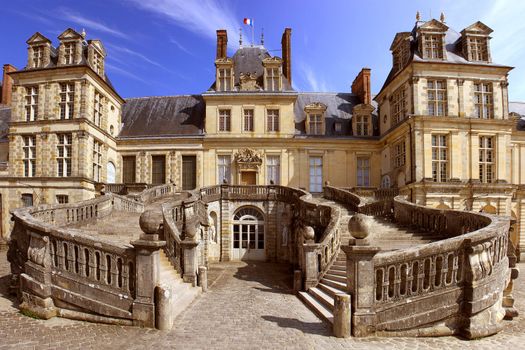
(29, 155)
(478, 49)
(399, 158)
(487, 158)
(31, 103)
(98, 108)
(432, 46)
(272, 119)
(437, 97)
(315, 164)
(67, 100)
(273, 169)
(399, 105)
(97, 160)
(315, 123)
(248, 120)
(224, 78)
(225, 120)
(273, 78)
(483, 100)
(64, 152)
(38, 56)
(440, 157)
(69, 52)
(224, 165)
(363, 171)
(362, 125)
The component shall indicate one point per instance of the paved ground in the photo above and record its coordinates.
(249, 306)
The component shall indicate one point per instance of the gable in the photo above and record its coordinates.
(398, 38)
(37, 38)
(69, 34)
(98, 45)
(433, 26)
(477, 28)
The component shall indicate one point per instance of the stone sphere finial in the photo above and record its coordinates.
(150, 221)
(308, 233)
(359, 226)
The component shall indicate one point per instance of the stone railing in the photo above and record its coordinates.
(155, 192)
(451, 286)
(63, 271)
(317, 225)
(382, 207)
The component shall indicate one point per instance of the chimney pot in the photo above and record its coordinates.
(286, 45)
(361, 86)
(7, 84)
(222, 43)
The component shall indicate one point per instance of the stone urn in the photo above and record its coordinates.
(359, 226)
(150, 221)
(308, 233)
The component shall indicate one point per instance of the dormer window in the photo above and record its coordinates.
(224, 74)
(315, 124)
(431, 40)
(96, 56)
(475, 42)
(400, 50)
(478, 49)
(362, 124)
(38, 56)
(272, 74)
(97, 63)
(69, 53)
(432, 46)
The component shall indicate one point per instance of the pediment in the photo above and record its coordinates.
(363, 109)
(433, 26)
(224, 61)
(97, 44)
(398, 38)
(315, 106)
(272, 60)
(37, 38)
(69, 34)
(477, 28)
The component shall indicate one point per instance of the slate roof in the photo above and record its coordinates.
(163, 116)
(519, 108)
(5, 118)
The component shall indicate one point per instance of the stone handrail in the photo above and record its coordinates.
(155, 192)
(459, 279)
(382, 207)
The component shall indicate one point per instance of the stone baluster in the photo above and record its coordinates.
(114, 271)
(81, 262)
(92, 265)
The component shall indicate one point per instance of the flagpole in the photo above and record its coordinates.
(253, 25)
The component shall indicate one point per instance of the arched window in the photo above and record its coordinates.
(385, 182)
(248, 234)
(111, 173)
(248, 214)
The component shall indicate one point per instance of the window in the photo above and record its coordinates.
(189, 172)
(224, 169)
(432, 46)
(67, 100)
(315, 122)
(483, 101)
(248, 229)
(62, 198)
(31, 103)
(224, 120)
(362, 125)
(437, 97)
(27, 199)
(29, 156)
(225, 79)
(97, 160)
(38, 56)
(486, 159)
(273, 169)
(399, 154)
(64, 155)
(385, 182)
(128, 169)
(97, 63)
(363, 171)
(248, 120)
(338, 127)
(272, 79)
(69, 53)
(111, 173)
(316, 174)
(401, 56)
(439, 158)
(273, 119)
(158, 170)
(478, 49)
(399, 107)
(98, 108)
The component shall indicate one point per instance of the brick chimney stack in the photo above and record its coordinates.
(7, 85)
(361, 86)
(287, 54)
(222, 43)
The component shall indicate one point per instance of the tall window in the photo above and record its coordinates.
(38, 56)
(273, 169)
(248, 120)
(128, 169)
(272, 79)
(399, 107)
(362, 125)
(316, 174)
(69, 52)
(315, 122)
(67, 100)
(483, 100)
(224, 120)
(225, 79)
(272, 119)
(31, 103)
(399, 154)
(437, 97)
(98, 108)
(433, 46)
(97, 63)
(29, 156)
(64, 155)
(97, 160)
(158, 170)
(363, 171)
(224, 169)
(478, 49)
(439, 158)
(486, 159)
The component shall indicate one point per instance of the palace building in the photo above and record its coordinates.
(441, 129)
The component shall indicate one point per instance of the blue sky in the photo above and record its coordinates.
(167, 47)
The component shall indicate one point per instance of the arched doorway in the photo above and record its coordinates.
(111, 172)
(248, 229)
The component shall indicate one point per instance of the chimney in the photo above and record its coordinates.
(287, 54)
(222, 43)
(361, 86)
(7, 84)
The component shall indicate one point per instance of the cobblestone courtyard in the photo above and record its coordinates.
(249, 306)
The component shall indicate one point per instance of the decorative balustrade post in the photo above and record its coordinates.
(189, 245)
(361, 281)
(147, 276)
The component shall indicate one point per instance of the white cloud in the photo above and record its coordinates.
(312, 79)
(130, 52)
(70, 16)
(125, 73)
(181, 47)
(202, 17)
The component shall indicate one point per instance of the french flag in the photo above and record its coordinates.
(248, 21)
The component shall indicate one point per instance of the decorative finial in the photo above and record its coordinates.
(262, 36)
(418, 16)
(240, 36)
(83, 34)
(442, 17)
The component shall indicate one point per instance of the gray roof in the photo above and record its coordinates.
(517, 107)
(5, 118)
(166, 115)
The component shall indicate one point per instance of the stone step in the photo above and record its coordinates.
(330, 290)
(333, 271)
(340, 263)
(336, 278)
(338, 267)
(316, 306)
(336, 284)
(324, 298)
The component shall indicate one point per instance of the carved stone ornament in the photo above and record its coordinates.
(315, 106)
(247, 155)
(248, 82)
(38, 250)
